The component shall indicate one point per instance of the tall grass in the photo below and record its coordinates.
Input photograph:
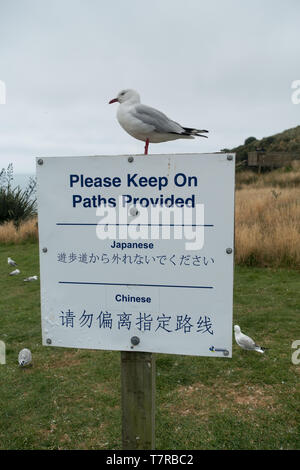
(267, 227)
(280, 178)
(26, 231)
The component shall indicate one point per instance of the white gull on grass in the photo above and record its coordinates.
(148, 124)
(11, 262)
(31, 278)
(24, 357)
(15, 272)
(245, 342)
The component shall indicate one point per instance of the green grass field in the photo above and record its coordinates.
(70, 398)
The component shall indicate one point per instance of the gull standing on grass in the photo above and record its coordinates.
(245, 342)
(24, 357)
(11, 262)
(148, 124)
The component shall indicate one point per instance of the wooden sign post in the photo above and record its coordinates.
(138, 400)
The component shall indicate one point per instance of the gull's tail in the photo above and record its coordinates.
(189, 131)
(260, 349)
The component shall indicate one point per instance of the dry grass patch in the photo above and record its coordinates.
(26, 231)
(276, 178)
(267, 227)
(202, 400)
(103, 388)
(66, 359)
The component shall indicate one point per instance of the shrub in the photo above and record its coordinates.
(16, 204)
(249, 140)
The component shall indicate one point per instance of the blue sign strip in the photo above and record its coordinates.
(143, 225)
(139, 285)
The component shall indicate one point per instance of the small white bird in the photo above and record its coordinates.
(148, 124)
(15, 272)
(245, 342)
(11, 262)
(24, 357)
(31, 278)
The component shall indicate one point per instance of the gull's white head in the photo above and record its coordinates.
(237, 329)
(126, 95)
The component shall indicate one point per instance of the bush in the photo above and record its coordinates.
(16, 204)
(250, 140)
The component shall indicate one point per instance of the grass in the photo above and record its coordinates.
(267, 227)
(26, 231)
(286, 177)
(70, 398)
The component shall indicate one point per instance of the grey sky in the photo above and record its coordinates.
(222, 65)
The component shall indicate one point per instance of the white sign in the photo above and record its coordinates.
(136, 253)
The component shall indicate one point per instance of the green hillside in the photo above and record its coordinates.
(286, 141)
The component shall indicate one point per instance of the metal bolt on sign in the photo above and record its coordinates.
(134, 211)
(135, 340)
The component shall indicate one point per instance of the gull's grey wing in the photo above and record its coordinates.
(246, 342)
(160, 122)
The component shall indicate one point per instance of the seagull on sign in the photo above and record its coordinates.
(148, 124)
(245, 342)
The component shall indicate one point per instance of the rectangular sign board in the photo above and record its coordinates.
(136, 252)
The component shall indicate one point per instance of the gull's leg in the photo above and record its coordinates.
(146, 147)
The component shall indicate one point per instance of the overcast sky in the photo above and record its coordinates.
(222, 65)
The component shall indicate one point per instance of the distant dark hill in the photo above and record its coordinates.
(286, 141)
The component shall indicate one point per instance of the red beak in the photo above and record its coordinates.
(113, 101)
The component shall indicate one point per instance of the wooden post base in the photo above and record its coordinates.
(138, 400)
